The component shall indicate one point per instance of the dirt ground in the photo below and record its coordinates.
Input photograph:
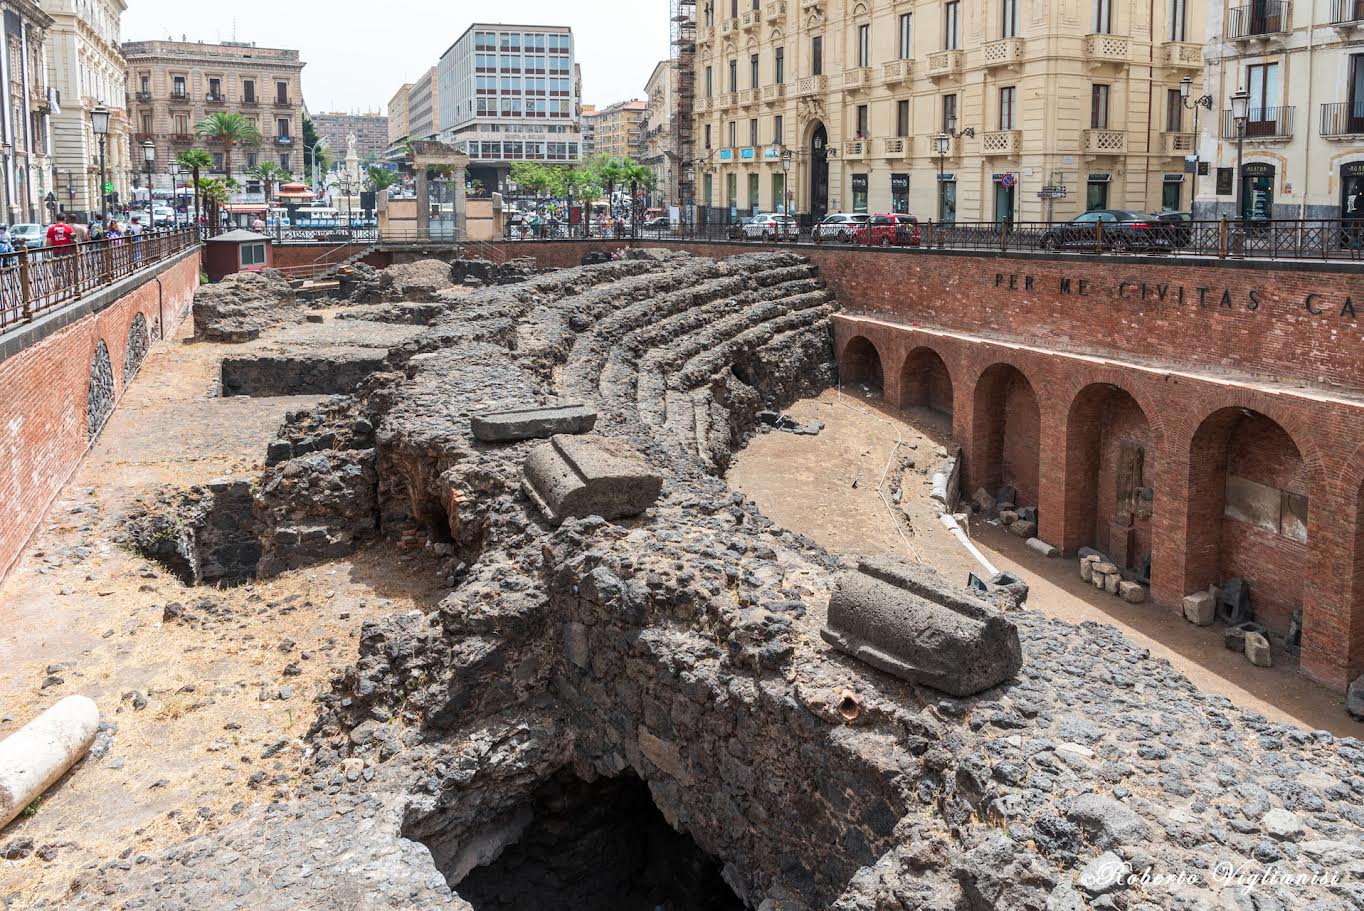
(207, 709)
(826, 486)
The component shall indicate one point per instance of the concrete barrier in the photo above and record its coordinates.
(40, 752)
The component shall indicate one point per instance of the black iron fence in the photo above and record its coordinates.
(1262, 17)
(33, 282)
(1321, 239)
(1343, 118)
(1343, 11)
(1261, 123)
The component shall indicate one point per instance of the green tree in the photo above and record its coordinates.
(196, 160)
(215, 194)
(610, 173)
(230, 130)
(380, 178)
(310, 138)
(586, 187)
(532, 176)
(269, 174)
(638, 176)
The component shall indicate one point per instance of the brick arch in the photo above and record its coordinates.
(861, 363)
(1006, 432)
(926, 381)
(1111, 457)
(1267, 461)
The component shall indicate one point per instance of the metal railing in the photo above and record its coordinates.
(1343, 11)
(1297, 239)
(33, 282)
(1342, 119)
(1261, 123)
(1262, 17)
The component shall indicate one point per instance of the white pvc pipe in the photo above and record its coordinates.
(40, 752)
(953, 527)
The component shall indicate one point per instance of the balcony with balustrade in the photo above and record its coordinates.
(944, 64)
(726, 100)
(705, 34)
(1263, 20)
(1005, 52)
(1182, 55)
(729, 27)
(748, 96)
(1177, 145)
(1001, 142)
(748, 19)
(775, 12)
(810, 85)
(897, 71)
(855, 150)
(774, 94)
(1103, 49)
(1103, 142)
(895, 147)
(857, 79)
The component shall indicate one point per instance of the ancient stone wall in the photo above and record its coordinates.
(46, 388)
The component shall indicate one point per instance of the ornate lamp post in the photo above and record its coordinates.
(99, 122)
(1240, 104)
(149, 158)
(786, 159)
(1205, 101)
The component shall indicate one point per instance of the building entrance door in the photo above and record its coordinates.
(1257, 191)
(1004, 202)
(819, 173)
(1352, 205)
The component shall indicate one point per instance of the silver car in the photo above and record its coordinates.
(33, 236)
(839, 227)
(771, 226)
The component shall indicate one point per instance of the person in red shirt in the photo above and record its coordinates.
(61, 235)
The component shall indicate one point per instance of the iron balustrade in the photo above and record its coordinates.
(1343, 11)
(34, 282)
(1345, 118)
(1263, 17)
(1261, 123)
(1275, 239)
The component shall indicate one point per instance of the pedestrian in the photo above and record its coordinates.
(135, 229)
(258, 224)
(97, 229)
(61, 236)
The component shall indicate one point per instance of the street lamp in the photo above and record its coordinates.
(99, 122)
(941, 143)
(149, 158)
(1240, 104)
(1185, 90)
(786, 158)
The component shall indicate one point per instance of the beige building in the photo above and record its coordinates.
(619, 128)
(1055, 93)
(1302, 67)
(25, 130)
(423, 111)
(370, 132)
(174, 85)
(658, 147)
(399, 124)
(85, 64)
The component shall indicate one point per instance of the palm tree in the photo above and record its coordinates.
(638, 175)
(610, 172)
(380, 178)
(195, 160)
(230, 130)
(216, 195)
(269, 174)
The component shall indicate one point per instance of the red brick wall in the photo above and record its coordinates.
(292, 256)
(1122, 422)
(43, 394)
(925, 382)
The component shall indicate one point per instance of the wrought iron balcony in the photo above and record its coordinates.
(1003, 52)
(1261, 123)
(855, 149)
(218, 98)
(1343, 119)
(1262, 19)
(143, 96)
(896, 146)
(284, 140)
(1349, 13)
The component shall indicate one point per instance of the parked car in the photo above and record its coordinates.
(838, 227)
(736, 230)
(657, 226)
(1122, 231)
(1180, 227)
(33, 236)
(163, 217)
(771, 226)
(888, 231)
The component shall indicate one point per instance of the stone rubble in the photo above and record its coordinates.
(682, 646)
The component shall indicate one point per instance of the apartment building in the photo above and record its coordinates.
(399, 109)
(587, 129)
(175, 85)
(370, 132)
(620, 128)
(949, 110)
(658, 141)
(86, 68)
(25, 129)
(423, 111)
(509, 93)
(1301, 68)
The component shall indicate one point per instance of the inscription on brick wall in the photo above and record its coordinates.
(1315, 303)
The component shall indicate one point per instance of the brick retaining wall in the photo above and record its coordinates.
(46, 394)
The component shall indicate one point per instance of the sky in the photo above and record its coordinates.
(357, 55)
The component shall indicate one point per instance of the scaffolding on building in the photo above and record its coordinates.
(684, 94)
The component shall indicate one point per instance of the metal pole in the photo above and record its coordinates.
(103, 197)
(942, 158)
(1240, 179)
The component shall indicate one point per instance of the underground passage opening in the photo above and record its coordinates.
(861, 366)
(596, 846)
